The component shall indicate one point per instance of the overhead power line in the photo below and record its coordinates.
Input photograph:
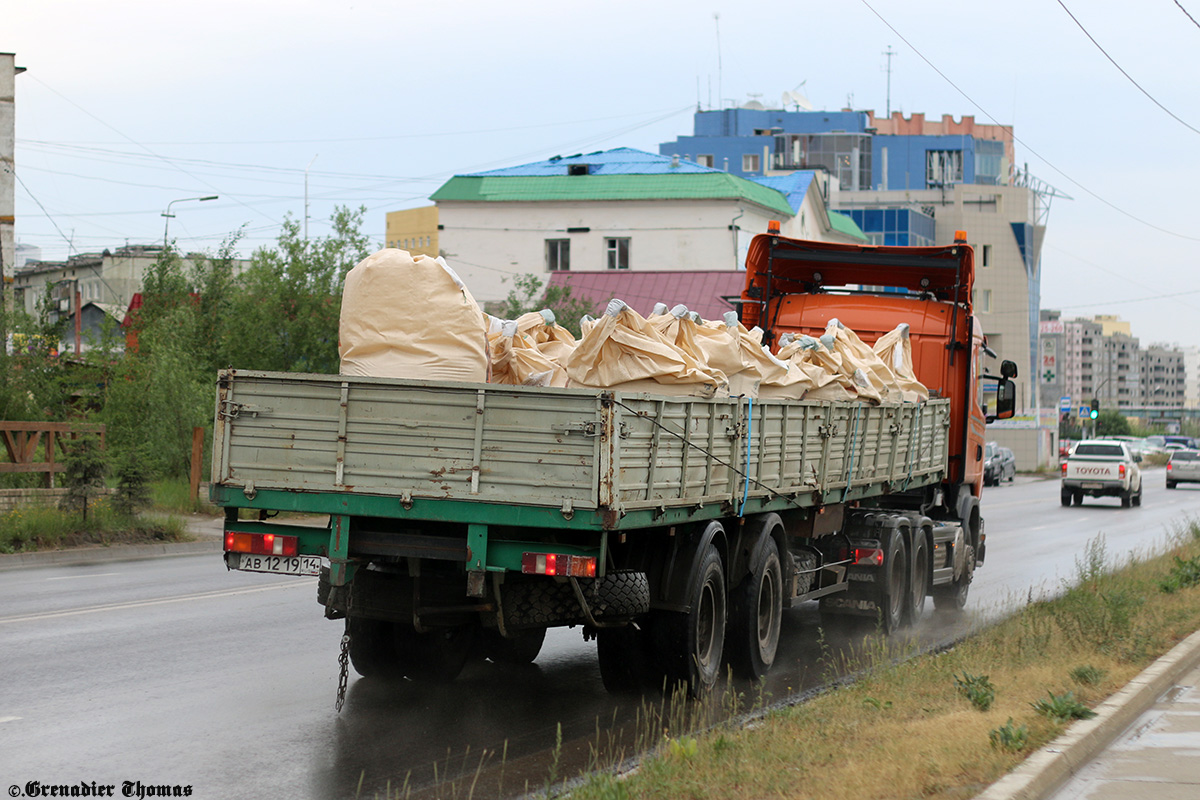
(1185, 11)
(1121, 69)
(1022, 142)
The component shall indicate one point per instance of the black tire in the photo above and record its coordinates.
(520, 649)
(1137, 498)
(893, 594)
(1170, 484)
(435, 656)
(1126, 499)
(756, 613)
(693, 642)
(1066, 498)
(918, 579)
(372, 648)
(626, 659)
(621, 594)
(1079, 498)
(953, 596)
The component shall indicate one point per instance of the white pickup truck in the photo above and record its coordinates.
(1102, 468)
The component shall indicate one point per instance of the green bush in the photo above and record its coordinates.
(1009, 736)
(1063, 707)
(976, 688)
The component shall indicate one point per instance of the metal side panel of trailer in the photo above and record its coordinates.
(602, 459)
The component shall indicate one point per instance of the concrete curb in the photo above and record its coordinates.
(99, 555)
(1051, 767)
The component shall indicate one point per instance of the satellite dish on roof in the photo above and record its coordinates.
(797, 99)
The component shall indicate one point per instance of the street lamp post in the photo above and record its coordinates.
(170, 216)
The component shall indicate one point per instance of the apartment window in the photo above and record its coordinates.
(618, 253)
(985, 255)
(983, 300)
(750, 162)
(705, 160)
(558, 255)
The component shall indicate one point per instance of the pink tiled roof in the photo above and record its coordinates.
(700, 291)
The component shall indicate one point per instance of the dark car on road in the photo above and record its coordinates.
(999, 464)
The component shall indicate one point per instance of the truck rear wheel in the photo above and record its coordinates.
(626, 660)
(893, 593)
(372, 648)
(918, 580)
(692, 642)
(520, 649)
(435, 656)
(1066, 498)
(953, 596)
(756, 613)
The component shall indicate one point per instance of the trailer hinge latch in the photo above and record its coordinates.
(586, 428)
(231, 410)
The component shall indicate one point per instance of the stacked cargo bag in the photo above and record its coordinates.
(684, 328)
(865, 365)
(762, 374)
(517, 362)
(823, 366)
(720, 347)
(895, 348)
(622, 351)
(406, 317)
(551, 339)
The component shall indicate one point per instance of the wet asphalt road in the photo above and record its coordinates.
(177, 672)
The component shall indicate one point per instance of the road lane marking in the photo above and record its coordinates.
(72, 612)
(76, 577)
(9, 719)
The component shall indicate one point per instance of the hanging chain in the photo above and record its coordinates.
(343, 667)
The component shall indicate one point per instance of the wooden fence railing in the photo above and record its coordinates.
(26, 441)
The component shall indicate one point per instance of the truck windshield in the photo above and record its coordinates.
(1099, 450)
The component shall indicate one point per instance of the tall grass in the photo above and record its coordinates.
(173, 495)
(908, 728)
(34, 527)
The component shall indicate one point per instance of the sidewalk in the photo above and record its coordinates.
(1144, 743)
(206, 532)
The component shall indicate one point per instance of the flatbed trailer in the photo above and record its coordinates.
(466, 519)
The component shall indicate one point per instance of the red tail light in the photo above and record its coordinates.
(263, 544)
(868, 557)
(1064, 468)
(558, 564)
(1168, 466)
(1121, 470)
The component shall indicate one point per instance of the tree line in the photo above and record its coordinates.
(280, 314)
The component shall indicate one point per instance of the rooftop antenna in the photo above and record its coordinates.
(717, 21)
(797, 98)
(889, 53)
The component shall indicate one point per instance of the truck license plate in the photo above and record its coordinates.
(280, 565)
(1089, 486)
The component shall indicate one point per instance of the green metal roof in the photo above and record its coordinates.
(842, 223)
(686, 186)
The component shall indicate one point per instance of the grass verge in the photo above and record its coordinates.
(35, 527)
(945, 725)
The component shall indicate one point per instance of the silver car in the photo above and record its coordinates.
(1184, 467)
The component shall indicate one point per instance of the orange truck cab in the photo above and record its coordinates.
(798, 286)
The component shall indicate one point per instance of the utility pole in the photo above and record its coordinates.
(889, 53)
(8, 133)
(314, 158)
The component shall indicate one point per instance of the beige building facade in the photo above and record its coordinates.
(414, 230)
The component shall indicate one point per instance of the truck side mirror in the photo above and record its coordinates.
(1006, 399)
(1008, 369)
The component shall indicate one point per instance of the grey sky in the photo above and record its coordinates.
(130, 104)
